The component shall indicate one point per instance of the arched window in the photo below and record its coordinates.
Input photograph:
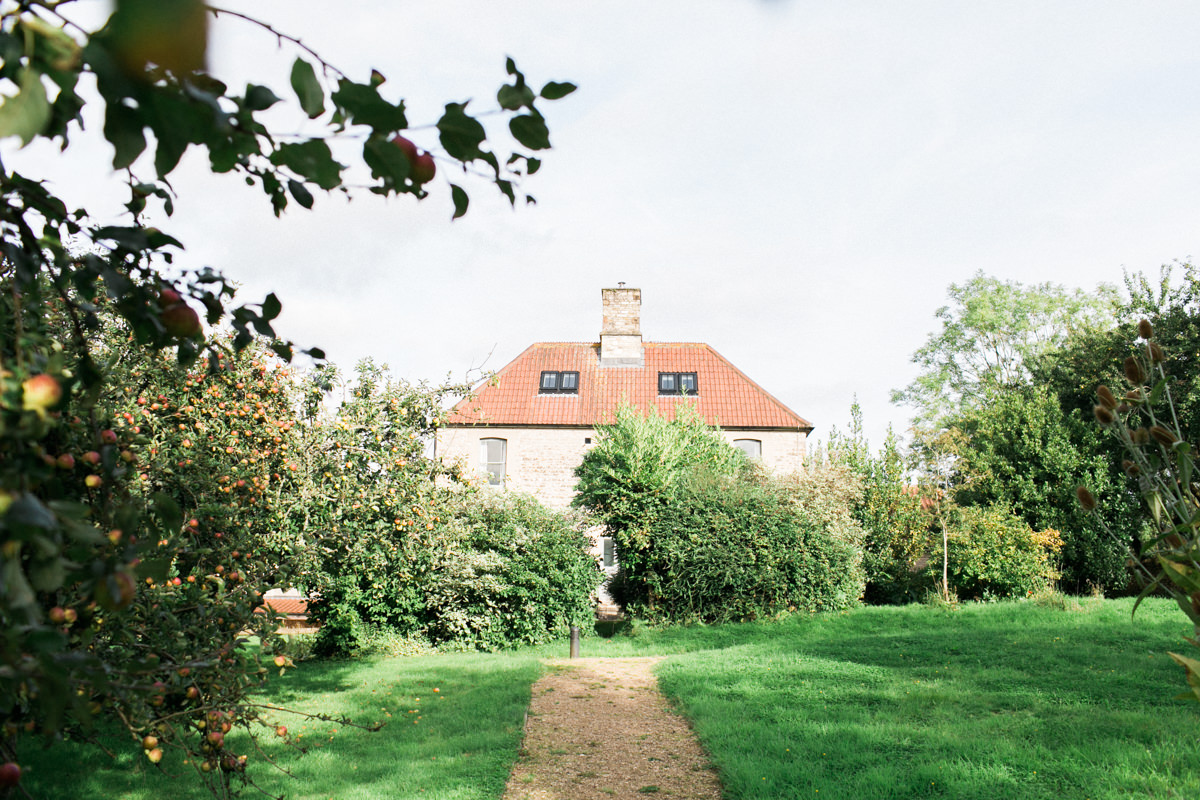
(751, 447)
(492, 455)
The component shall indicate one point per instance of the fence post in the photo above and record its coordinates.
(574, 641)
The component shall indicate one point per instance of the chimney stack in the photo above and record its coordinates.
(621, 327)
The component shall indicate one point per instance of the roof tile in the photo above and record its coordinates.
(725, 396)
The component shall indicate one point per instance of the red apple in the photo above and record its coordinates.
(108, 436)
(57, 615)
(149, 742)
(216, 738)
(181, 321)
(155, 755)
(40, 393)
(281, 730)
(65, 461)
(10, 775)
(421, 167)
(93, 481)
(91, 457)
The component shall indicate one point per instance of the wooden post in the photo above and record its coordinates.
(574, 641)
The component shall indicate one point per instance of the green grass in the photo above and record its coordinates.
(458, 743)
(1011, 701)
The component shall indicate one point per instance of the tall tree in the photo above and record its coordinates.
(990, 331)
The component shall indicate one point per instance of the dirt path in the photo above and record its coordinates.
(598, 729)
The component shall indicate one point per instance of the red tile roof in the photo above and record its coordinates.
(725, 396)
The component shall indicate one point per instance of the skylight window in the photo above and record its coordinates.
(684, 383)
(559, 383)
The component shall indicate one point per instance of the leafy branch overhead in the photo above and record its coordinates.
(117, 605)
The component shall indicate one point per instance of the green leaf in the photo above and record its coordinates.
(47, 575)
(555, 91)
(514, 97)
(123, 127)
(27, 113)
(460, 201)
(301, 193)
(385, 160)
(1157, 392)
(311, 160)
(308, 88)
(14, 584)
(271, 307)
(460, 133)
(530, 130)
(259, 98)
(364, 106)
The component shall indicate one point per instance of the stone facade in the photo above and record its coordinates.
(542, 461)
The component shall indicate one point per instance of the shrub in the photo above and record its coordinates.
(703, 535)
(495, 570)
(994, 553)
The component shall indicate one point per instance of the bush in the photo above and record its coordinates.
(995, 554)
(703, 535)
(495, 570)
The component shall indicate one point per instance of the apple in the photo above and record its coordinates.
(155, 755)
(421, 167)
(58, 615)
(91, 457)
(65, 461)
(281, 730)
(108, 436)
(40, 393)
(181, 321)
(115, 591)
(10, 775)
(216, 738)
(149, 742)
(93, 481)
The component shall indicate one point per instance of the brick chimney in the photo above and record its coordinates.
(621, 327)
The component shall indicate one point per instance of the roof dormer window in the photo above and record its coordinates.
(559, 383)
(677, 383)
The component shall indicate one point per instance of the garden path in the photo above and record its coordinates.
(599, 729)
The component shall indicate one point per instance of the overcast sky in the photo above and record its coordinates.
(794, 183)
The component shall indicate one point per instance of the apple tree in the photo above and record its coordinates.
(96, 516)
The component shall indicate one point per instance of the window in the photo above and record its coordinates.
(559, 383)
(751, 447)
(608, 552)
(677, 383)
(492, 454)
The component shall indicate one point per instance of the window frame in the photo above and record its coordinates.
(678, 379)
(497, 479)
(560, 377)
(758, 442)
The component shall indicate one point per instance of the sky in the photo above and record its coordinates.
(794, 183)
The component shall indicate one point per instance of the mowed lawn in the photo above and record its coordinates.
(1009, 700)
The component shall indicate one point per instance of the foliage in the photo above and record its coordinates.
(895, 520)
(701, 534)
(59, 550)
(1163, 463)
(990, 331)
(1021, 451)
(995, 554)
(389, 552)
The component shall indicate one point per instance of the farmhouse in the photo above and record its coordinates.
(529, 428)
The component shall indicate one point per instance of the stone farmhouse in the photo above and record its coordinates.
(529, 428)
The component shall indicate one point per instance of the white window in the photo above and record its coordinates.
(608, 553)
(492, 455)
(751, 447)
